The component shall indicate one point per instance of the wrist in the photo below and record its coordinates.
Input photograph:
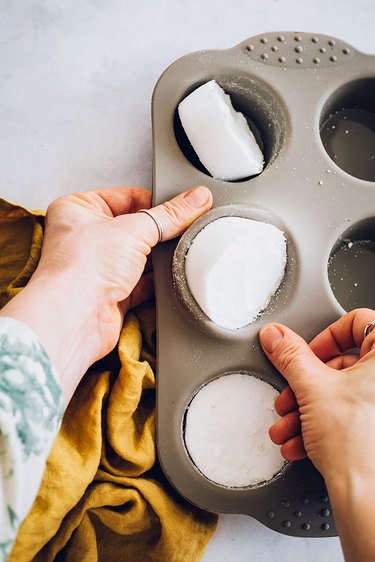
(350, 486)
(62, 316)
(351, 494)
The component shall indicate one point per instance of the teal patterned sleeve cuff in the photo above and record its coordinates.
(31, 409)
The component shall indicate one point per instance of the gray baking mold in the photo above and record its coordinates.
(311, 100)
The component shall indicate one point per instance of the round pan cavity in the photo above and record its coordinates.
(347, 128)
(233, 405)
(262, 109)
(278, 302)
(351, 266)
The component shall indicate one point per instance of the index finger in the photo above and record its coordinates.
(343, 335)
(123, 200)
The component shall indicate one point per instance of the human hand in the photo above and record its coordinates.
(331, 395)
(98, 238)
(331, 400)
(91, 270)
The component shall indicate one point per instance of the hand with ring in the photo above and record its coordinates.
(94, 267)
(328, 413)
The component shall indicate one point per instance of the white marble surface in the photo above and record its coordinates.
(76, 83)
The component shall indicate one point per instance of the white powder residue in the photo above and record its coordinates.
(220, 136)
(226, 431)
(233, 268)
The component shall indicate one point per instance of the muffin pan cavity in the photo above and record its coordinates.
(191, 308)
(351, 264)
(347, 128)
(300, 92)
(226, 431)
(264, 112)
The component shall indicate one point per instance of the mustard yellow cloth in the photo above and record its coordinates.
(103, 496)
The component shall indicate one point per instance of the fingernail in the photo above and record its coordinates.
(198, 196)
(270, 337)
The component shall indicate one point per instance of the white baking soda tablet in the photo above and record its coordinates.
(233, 267)
(220, 136)
(226, 431)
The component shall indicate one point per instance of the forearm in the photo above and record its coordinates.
(31, 409)
(58, 312)
(352, 498)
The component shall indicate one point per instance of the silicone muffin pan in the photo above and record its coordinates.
(310, 100)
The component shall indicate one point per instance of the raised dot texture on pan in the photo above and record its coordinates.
(333, 58)
(316, 60)
(250, 48)
(324, 499)
(285, 503)
(298, 513)
(298, 38)
(325, 512)
(326, 526)
(331, 42)
(298, 49)
(271, 514)
(346, 51)
(264, 40)
(315, 39)
(274, 48)
(287, 524)
(305, 500)
(281, 38)
(282, 59)
(306, 526)
(299, 60)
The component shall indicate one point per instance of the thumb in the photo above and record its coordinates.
(175, 215)
(291, 355)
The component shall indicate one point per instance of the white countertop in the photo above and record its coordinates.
(76, 83)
